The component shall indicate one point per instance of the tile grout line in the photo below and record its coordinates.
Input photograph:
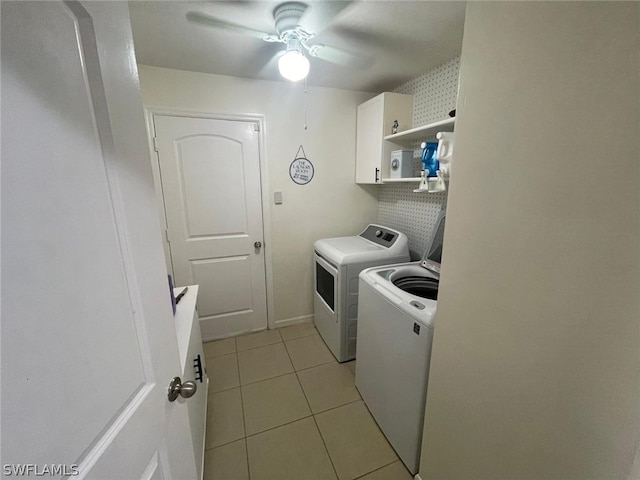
(209, 395)
(338, 406)
(377, 469)
(278, 426)
(286, 349)
(313, 416)
(397, 459)
(260, 346)
(211, 385)
(219, 340)
(264, 379)
(241, 384)
(246, 442)
(297, 420)
(326, 449)
(324, 444)
(244, 422)
(246, 454)
(315, 422)
(282, 340)
(319, 365)
(245, 436)
(267, 378)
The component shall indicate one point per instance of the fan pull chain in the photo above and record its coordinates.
(305, 103)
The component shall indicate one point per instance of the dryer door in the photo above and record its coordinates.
(326, 283)
(326, 303)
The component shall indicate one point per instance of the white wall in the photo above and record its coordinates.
(331, 205)
(535, 369)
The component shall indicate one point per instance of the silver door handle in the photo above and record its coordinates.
(185, 390)
(258, 245)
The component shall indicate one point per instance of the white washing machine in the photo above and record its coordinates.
(397, 306)
(337, 264)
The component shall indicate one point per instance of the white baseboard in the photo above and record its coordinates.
(279, 324)
(294, 320)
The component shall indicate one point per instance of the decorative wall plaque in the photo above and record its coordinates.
(301, 169)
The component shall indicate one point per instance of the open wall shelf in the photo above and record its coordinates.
(423, 132)
(401, 180)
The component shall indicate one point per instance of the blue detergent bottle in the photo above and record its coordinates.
(429, 161)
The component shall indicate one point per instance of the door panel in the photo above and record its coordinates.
(87, 342)
(215, 274)
(206, 183)
(210, 171)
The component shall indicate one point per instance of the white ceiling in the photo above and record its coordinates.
(402, 39)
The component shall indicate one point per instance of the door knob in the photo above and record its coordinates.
(257, 244)
(185, 390)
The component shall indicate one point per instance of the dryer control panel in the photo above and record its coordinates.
(381, 235)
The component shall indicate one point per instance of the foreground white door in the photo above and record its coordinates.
(88, 341)
(211, 185)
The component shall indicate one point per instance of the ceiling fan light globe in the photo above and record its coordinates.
(293, 66)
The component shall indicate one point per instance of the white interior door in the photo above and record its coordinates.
(88, 341)
(210, 172)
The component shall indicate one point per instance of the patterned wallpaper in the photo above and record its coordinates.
(415, 214)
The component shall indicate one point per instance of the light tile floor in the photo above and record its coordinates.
(280, 407)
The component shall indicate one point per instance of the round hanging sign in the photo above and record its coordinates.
(301, 171)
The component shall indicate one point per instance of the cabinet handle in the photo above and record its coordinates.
(377, 179)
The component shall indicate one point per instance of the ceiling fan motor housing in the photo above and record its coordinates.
(287, 16)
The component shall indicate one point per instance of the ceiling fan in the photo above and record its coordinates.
(293, 63)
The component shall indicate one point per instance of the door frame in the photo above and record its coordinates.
(150, 111)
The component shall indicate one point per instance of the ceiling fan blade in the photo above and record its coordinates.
(271, 66)
(320, 14)
(209, 21)
(340, 57)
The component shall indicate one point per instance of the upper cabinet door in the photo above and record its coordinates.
(375, 120)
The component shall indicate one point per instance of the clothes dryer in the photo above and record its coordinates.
(337, 263)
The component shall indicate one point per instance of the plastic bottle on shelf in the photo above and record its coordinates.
(429, 160)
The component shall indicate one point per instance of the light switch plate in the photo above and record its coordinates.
(277, 197)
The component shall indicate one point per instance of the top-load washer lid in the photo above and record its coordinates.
(423, 282)
(375, 243)
(433, 254)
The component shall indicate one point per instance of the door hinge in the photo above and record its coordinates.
(256, 127)
(166, 235)
(155, 143)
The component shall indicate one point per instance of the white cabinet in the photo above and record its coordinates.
(375, 121)
(193, 368)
